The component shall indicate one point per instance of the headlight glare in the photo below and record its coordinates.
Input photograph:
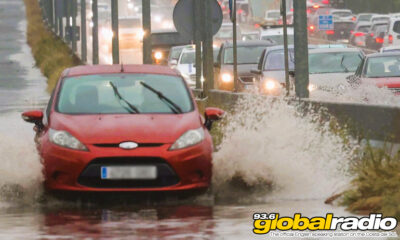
(270, 85)
(189, 138)
(312, 87)
(65, 139)
(227, 77)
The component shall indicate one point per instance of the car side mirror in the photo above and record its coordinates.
(256, 71)
(35, 117)
(173, 62)
(212, 114)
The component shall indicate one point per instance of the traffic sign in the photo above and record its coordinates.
(184, 20)
(325, 22)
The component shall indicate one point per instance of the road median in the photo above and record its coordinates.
(51, 53)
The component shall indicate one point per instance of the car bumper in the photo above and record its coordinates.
(67, 170)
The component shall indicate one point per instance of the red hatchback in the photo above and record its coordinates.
(130, 128)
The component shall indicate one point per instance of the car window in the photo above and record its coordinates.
(380, 28)
(278, 39)
(175, 53)
(383, 67)
(396, 27)
(188, 58)
(335, 62)
(130, 23)
(94, 94)
(273, 15)
(363, 29)
(224, 33)
(276, 60)
(342, 14)
(365, 18)
(245, 54)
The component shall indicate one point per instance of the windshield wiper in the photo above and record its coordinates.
(343, 66)
(175, 108)
(132, 108)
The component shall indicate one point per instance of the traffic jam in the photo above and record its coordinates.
(338, 55)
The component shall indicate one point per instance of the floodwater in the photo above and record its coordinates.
(305, 166)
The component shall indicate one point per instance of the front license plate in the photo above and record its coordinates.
(129, 172)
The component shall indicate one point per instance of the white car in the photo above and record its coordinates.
(392, 38)
(380, 18)
(272, 17)
(276, 35)
(329, 67)
(187, 64)
(342, 14)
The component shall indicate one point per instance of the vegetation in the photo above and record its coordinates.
(52, 55)
(376, 184)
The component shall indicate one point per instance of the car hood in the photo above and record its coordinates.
(329, 79)
(389, 82)
(243, 69)
(117, 128)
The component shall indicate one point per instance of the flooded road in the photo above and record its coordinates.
(26, 213)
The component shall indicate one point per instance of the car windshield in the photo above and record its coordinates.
(342, 14)
(379, 19)
(94, 94)
(129, 23)
(175, 53)
(335, 62)
(383, 67)
(246, 54)
(365, 18)
(225, 32)
(276, 60)
(188, 58)
(364, 29)
(273, 15)
(278, 39)
(381, 28)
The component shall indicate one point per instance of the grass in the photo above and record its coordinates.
(51, 54)
(376, 184)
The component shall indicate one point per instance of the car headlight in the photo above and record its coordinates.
(158, 55)
(312, 87)
(271, 85)
(226, 77)
(65, 139)
(189, 138)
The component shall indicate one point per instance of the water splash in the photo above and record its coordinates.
(268, 142)
(21, 170)
(367, 93)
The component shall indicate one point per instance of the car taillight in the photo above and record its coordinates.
(325, 1)
(240, 11)
(256, 25)
(353, 18)
(379, 40)
(330, 32)
(371, 34)
(359, 34)
(308, 11)
(390, 39)
(311, 28)
(316, 6)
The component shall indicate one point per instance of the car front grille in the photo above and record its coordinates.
(116, 145)
(247, 79)
(90, 176)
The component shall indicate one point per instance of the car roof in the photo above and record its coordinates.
(249, 43)
(380, 23)
(364, 24)
(387, 54)
(334, 50)
(118, 68)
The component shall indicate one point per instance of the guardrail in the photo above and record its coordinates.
(373, 122)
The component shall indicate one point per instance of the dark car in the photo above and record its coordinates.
(341, 30)
(359, 34)
(375, 37)
(249, 53)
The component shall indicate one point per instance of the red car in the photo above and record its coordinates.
(123, 128)
(380, 69)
